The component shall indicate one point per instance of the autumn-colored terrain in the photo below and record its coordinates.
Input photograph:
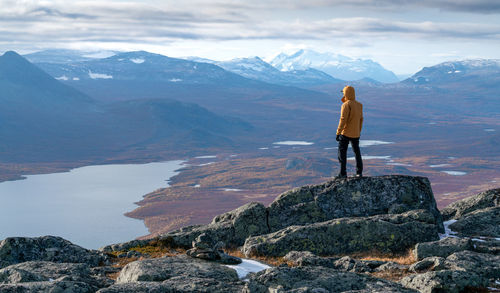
(207, 187)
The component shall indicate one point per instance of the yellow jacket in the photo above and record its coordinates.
(351, 114)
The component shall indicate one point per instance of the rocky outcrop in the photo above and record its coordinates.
(346, 263)
(43, 276)
(444, 281)
(393, 233)
(204, 247)
(232, 228)
(442, 248)
(176, 274)
(483, 222)
(352, 197)
(338, 198)
(317, 279)
(459, 272)
(490, 198)
(47, 248)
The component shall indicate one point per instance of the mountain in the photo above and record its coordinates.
(480, 72)
(65, 56)
(43, 119)
(338, 66)
(258, 69)
(140, 66)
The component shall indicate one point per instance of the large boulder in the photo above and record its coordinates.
(352, 197)
(47, 248)
(394, 233)
(175, 274)
(489, 198)
(161, 269)
(443, 281)
(232, 228)
(459, 272)
(483, 222)
(442, 248)
(44, 271)
(317, 279)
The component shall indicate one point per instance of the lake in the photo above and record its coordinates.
(85, 205)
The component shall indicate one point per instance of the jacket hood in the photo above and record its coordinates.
(349, 94)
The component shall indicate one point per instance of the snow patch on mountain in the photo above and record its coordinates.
(137, 60)
(99, 75)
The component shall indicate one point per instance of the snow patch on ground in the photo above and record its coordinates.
(99, 75)
(64, 77)
(332, 148)
(439, 165)
(371, 158)
(206, 157)
(489, 130)
(366, 143)
(175, 80)
(137, 60)
(455, 173)
(206, 164)
(263, 148)
(447, 230)
(197, 186)
(76, 78)
(232, 189)
(293, 142)
(248, 266)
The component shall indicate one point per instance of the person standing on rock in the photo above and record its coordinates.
(349, 130)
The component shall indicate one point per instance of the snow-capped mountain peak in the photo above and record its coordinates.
(336, 65)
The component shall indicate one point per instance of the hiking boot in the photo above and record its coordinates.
(358, 175)
(340, 176)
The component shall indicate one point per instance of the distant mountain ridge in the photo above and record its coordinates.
(338, 66)
(44, 119)
(458, 71)
(258, 69)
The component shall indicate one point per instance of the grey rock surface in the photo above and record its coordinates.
(232, 228)
(434, 263)
(486, 199)
(47, 287)
(161, 269)
(391, 266)
(483, 222)
(43, 271)
(177, 285)
(205, 247)
(394, 233)
(443, 281)
(352, 197)
(317, 279)
(124, 246)
(442, 248)
(46, 248)
(346, 263)
(482, 264)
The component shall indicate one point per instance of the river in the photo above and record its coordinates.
(85, 205)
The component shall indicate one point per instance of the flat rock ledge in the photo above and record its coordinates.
(394, 233)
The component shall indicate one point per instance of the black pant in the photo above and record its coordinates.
(342, 153)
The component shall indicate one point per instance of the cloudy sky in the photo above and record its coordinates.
(402, 35)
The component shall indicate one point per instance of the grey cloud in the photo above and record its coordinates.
(117, 22)
(468, 6)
